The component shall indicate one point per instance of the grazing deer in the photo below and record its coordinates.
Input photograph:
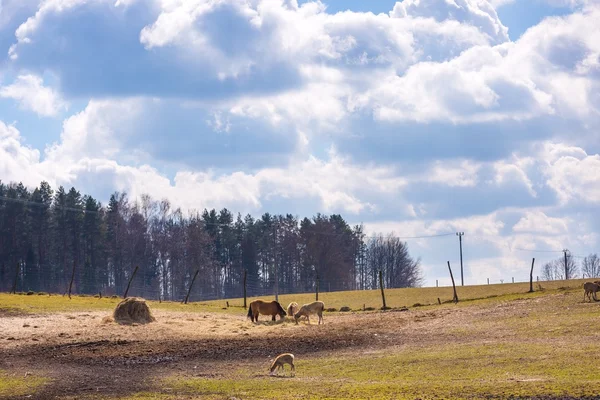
(316, 307)
(590, 288)
(280, 361)
(292, 308)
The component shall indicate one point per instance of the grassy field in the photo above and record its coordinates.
(411, 297)
(408, 297)
(498, 342)
(12, 385)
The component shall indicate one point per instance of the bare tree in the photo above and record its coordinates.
(590, 267)
(390, 255)
(555, 269)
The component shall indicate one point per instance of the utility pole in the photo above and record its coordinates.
(462, 279)
(566, 265)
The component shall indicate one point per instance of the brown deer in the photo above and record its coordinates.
(316, 307)
(292, 308)
(590, 289)
(280, 361)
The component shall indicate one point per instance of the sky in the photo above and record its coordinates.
(416, 118)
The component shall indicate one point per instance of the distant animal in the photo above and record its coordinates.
(316, 307)
(292, 308)
(280, 361)
(590, 289)
(271, 308)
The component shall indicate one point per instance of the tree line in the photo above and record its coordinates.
(49, 236)
(558, 268)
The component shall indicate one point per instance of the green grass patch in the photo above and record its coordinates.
(14, 304)
(423, 296)
(19, 386)
(448, 371)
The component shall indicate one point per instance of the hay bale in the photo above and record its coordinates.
(133, 310)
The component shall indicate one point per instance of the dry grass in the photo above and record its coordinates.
(133, 310)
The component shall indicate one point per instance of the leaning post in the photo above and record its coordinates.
(382, 292)
(531, 276)
(455, 298)
(130, 279)
(190, 289)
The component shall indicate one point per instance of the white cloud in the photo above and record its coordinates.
(459, 174)
(30, 92)
(572, 173)
(514, 170)
(26, 29)
(18, 162)
(475, 226)
(337, 77)
(334, 183)
(480, 14)
(91, 132)
(539, 222)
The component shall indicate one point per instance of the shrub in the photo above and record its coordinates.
(345, 309)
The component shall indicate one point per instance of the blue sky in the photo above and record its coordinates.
(417, 117)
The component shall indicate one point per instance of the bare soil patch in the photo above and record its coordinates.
(10, 312)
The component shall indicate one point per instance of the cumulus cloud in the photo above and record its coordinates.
(431, 110)
(514, 170)
(480, 14)
(334, 182)
(30, 92)
(572, 173)
(18, 162)
(463, 174)
(539, 222)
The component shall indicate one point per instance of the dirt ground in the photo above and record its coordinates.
(83, 354)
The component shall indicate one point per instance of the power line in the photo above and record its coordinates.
(539, 251)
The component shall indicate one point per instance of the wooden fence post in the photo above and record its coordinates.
(531, 276)
(317, 288)
(455, 298)
(72, 277)
(14, 287)
(190, 289)
(382, 292)
(130, 279)
(245, 273)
